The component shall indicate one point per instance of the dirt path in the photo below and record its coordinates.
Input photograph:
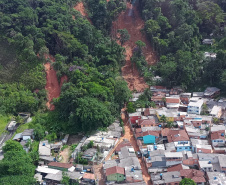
(52, 87)
(129, 135)
(132, 21)
(65, 155)
(98, 171)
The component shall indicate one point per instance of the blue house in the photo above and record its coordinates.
(183, 146)
(149, 139)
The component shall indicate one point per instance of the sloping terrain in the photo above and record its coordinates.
(131, 20)
(80, 7)
(53, 87)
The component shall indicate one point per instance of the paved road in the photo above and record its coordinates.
(7, 135)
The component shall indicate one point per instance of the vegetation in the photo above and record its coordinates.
(4, 120)
(14, 171)
(187, 181)
(176, 30)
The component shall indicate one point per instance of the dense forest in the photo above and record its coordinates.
(176, 30)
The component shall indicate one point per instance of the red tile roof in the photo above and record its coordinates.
(174, 168)
(217, 135)
(196, 175)
(149, 132)
(115, 169)
(165, 131)
(160, 87)
(89, 176)
(146, 121)
(177, 135)
(172, 100)
(60, 165)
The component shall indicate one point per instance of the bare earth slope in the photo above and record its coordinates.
(132, 21)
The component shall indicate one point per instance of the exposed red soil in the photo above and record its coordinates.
(52, 87)
(132, 21)
(80, 7)
(129, 136)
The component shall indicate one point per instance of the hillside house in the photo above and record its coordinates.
(195, 107)
(28, 134)
(61, 166)
(196, 175)
(180, 139)
(172, 178)
(115, 173)
(173, 102)
(211, 92)
(216, 111)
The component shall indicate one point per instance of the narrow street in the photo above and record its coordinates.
(129, 135)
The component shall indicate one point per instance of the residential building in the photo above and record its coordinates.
(201, 146)
(173, 158)
(61, 166)
(198, 94)
(216, 178)
(159, 98)
(216, 111)
(173, 102)
(185, 98)
(222, 163)
(208, 41)
(126, 152)
(28, 134)
(159, 89)
(177, 167)
(89, 154)
(196, 175)
(211, 92)
(135, 97)
(172, 178)
(134, 117)
(89, 177)
(150, 122)
(195, 107)
(217, 135)
(115, 173)
(196, 133)
(180, 139)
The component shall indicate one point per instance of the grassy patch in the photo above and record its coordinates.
(3, 122)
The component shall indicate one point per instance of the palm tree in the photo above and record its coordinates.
(163, 119)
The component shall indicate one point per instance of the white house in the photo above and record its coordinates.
(195, 107)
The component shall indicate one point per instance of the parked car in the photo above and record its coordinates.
(139, 154)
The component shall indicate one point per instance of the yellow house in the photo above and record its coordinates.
(170, 114)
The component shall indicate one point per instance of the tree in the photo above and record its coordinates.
(140, 46)
(39, 132)
(90, 144)
(170, 124)
(216, 120)
(211, 15)
(65, 179)
(123, 36)
(130, 107)
(11, 145)
(163, 119)
(187, 181)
